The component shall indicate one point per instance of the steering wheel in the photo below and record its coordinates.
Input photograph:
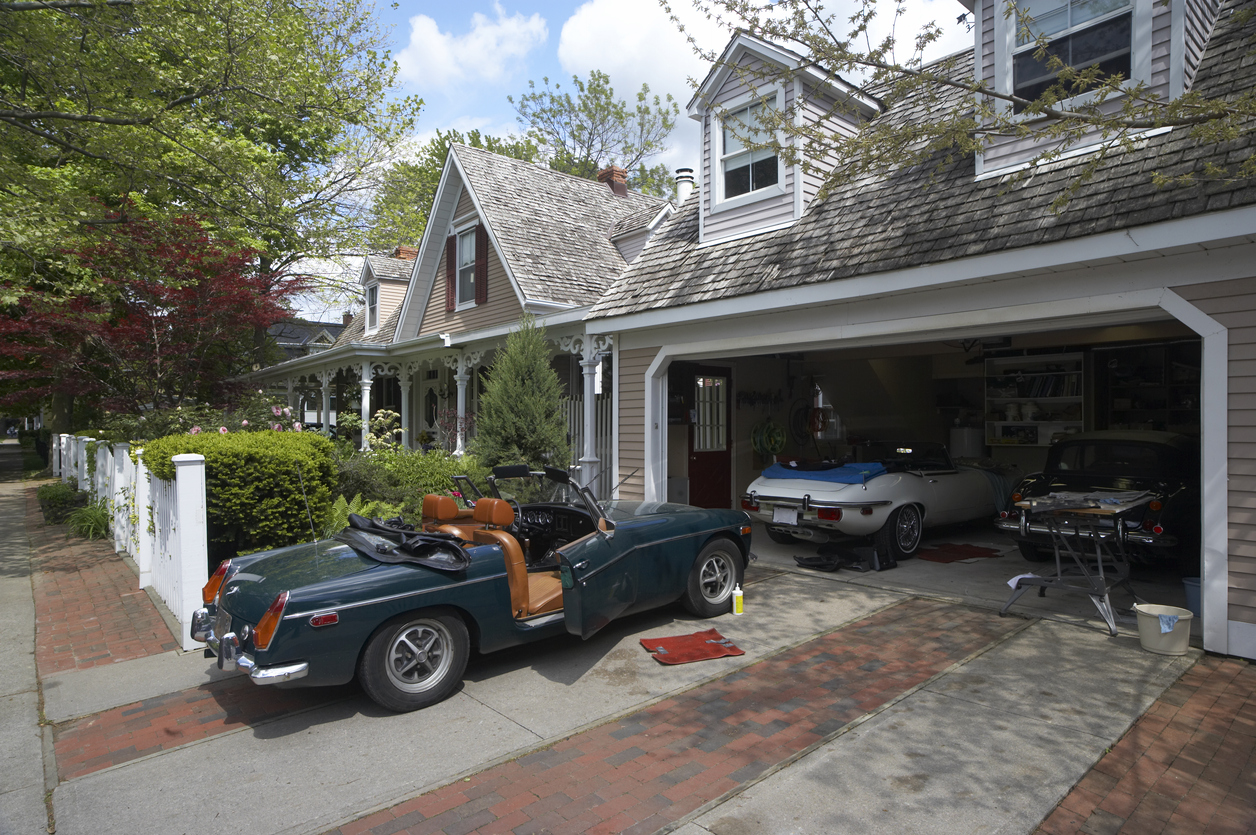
(516, 527)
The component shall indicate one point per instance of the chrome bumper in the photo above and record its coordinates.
(230, 656)
(1136, 537)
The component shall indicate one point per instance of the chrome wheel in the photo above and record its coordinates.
(907, 529)
(716, 577)
(716, 571)
(419, 656)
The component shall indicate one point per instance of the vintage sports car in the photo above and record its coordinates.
(401, 608)
(1162, 463)
(891, 492)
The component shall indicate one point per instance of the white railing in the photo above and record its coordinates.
(161, 524)
(574, 407)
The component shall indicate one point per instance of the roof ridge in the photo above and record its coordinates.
(545, 168)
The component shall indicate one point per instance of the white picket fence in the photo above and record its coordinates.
(160, 524)
(602, 444)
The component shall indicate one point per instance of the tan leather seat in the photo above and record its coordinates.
(530, 594)
(442, 510)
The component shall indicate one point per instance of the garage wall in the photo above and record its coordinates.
(1233, 304)
(633, 364)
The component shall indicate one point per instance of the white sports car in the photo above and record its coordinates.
(892, 494)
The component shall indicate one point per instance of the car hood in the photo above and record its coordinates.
(263, 576)
(1081, 482)
(802, 486)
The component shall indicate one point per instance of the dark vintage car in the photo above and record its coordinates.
(1165, 464)
(402, 609)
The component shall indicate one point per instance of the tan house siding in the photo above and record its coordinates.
(465, 206)
(1233, 304)
(502, 306)
(392, 292)
(633, 365)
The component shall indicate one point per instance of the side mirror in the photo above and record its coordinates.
(606, 526)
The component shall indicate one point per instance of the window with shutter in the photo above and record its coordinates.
(481, 264)
(451, 273)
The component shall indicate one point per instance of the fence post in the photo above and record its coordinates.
(102, 484)
(66, 444)
(193, 567)
(119, 489)
(84, 482)
(146, 536)
(54, 454)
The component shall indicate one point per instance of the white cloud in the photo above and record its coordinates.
(633, 41)
(488, 52)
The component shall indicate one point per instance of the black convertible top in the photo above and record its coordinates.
(394, 541)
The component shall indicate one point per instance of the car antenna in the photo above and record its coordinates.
(308, 515)
(622, 480)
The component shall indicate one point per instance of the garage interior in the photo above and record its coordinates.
(997, 401)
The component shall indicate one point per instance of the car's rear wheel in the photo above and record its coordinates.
(1033, 553)
(780, 537)
(415, 660)
(716, 572)
(900, 536)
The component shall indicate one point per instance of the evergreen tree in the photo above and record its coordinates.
(520, 419)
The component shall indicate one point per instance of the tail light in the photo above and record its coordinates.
(210, 590)
(829, 514)
(1155, 506)
(1016, 497)
(270, 621)
(749, 504)
(1157, 529)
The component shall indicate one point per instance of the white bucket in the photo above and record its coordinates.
(1163, 643)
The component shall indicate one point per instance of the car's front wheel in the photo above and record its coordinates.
(415, 660)
(716, 572)
(900, 537)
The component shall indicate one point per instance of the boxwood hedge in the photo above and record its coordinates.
(254, 485)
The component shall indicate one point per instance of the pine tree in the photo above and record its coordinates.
(520, 419)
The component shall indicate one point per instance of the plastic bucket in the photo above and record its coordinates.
(1175, 642)
(1191, 584)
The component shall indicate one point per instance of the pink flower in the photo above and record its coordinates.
(195, 430)
(222, 430)
(276, 410)
(244, 423)
(287, 412)
(277, 427)
(296, 426)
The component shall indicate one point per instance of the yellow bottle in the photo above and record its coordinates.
(737, 600)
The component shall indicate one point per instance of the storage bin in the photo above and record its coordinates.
(1191, 584)
(1163, 643)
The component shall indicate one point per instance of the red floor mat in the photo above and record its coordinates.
(948, 552)
(682, 649)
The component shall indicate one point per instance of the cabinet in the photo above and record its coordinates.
(1149, 386)
(1034, 400)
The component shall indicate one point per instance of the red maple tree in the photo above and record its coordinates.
(168, 318)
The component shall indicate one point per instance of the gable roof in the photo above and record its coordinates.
(356, 330)
(383, 266)
(929, 214)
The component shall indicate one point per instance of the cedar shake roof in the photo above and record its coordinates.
(929, 214)
(385, 267)
(552, 229)
(634, 221)
(356, 330)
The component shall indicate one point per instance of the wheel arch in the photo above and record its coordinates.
(468, 620)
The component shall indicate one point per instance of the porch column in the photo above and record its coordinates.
(366, 404)
(588, 461)
(403, 378)
(292, 394)
(461, 378)
(325, 415)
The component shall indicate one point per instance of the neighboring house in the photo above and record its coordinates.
(503, 237)
(919, 303)
(299, 338)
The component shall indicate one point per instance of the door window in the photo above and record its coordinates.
(710, 432)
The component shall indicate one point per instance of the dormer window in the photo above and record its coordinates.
(372, 307)
(746, 174)
(1084, 33)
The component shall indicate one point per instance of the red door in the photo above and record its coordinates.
(710, 441)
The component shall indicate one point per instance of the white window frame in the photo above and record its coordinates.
(1005, 49)
(460, 230)
(719, 203)
(372, 308)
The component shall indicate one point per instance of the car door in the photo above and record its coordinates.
(599, 576)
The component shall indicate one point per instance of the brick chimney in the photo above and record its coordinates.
(616, 178)
(406, 253)
(346, 318)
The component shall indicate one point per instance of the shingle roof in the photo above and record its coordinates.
(553, 229)
(927, 215)
(634, 221)
(386, 267)
(356, 330)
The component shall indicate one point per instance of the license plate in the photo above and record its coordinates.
(222, 622)
(784, 515)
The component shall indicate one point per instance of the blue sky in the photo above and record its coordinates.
(464, 59)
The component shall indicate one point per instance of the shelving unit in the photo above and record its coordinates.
(1149, 386)
(1031, 400)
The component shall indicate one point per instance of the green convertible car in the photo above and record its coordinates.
(402, 606)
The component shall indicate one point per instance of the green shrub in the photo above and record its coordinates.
(338, 516)
(256, 412)
(90, 522)
(402, 477)
(57, 499)
(254, 485)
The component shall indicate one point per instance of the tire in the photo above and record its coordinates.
(395, 678)
(780, 538)
(715, 572)
(1032, 553)
(900, 536)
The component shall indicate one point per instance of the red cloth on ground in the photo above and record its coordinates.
(949, 552)
(682, 649)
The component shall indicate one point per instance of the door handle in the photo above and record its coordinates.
(580, 566)
(933, 481)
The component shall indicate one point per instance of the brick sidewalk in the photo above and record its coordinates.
(1187, 766)
(89, 609)
(643, 772)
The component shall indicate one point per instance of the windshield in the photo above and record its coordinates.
(536, 490)
(1109, 458)
(911, 456)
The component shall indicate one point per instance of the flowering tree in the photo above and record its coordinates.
(166, 320)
